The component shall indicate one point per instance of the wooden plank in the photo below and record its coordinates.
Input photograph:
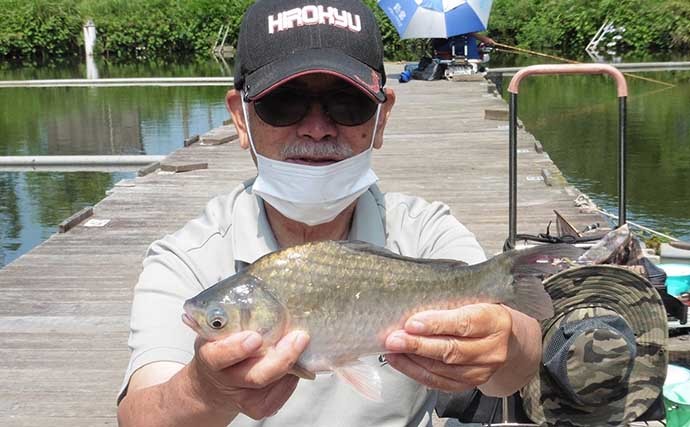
(493, 114)
(75, 219)
(178, 167)
(148, 169)
(64, 306)
(219, 135)
(191, 140)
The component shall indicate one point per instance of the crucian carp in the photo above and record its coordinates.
(348, 296)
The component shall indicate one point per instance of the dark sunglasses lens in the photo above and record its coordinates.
(350, 108)
(281, 108)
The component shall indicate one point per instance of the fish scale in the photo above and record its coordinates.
(348, 296)
(373, 296)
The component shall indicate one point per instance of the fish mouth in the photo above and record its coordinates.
(191, 322)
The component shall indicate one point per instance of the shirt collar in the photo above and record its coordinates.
(368, 222)
(254, 237)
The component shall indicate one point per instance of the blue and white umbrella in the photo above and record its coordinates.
(437, 18)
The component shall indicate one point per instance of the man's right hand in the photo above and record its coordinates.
(228, 373)
(224, 378)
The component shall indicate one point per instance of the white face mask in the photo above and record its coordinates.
(312, 194)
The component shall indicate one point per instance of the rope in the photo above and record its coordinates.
(583, 201)
(531, 52)
(512, 49)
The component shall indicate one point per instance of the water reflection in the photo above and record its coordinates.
(89, 121)
(10, 226)
(91, 68)
(33, 204)
(576, 119)
(94, 128)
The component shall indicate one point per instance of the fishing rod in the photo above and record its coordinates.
(512, 49)
(583, 201)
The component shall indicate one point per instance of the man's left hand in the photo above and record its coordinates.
(453, 350)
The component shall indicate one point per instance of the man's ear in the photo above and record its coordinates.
(233, 102)
(386, 109)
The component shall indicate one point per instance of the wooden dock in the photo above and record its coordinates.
(64, 306)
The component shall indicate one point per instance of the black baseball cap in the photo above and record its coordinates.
(280, 40)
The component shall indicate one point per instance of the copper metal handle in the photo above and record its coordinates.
(570, 69)
(564, 69)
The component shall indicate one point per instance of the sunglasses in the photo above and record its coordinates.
(286, 106)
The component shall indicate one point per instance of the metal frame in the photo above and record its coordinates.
(121, 82)
(513, 88)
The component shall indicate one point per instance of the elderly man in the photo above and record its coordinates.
(310, 105)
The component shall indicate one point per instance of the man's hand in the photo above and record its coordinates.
(229, 375)
(456, 350)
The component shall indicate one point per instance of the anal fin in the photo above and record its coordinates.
(364, 378)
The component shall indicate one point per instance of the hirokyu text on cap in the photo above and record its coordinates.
(283, 39)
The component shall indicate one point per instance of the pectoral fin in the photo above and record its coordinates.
(299, 371)
(364, 378)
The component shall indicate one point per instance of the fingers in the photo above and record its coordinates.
(258, 372)
(266, 402)
(238, 373)
(217, 355)
(473, 375)
(475, 320)
(409, 367)
(450, 350)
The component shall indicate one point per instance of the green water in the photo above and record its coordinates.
(574, 117)
(72, 121)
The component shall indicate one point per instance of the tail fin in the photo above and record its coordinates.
(528, 267)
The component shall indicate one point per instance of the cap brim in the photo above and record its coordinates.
(634, 299)
(308, 61)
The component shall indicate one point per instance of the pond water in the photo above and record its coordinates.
(574, 117)
(71, 121)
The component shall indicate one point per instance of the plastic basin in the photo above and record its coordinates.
(677, 278)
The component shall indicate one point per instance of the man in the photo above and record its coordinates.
(310, 105)
(466, 45)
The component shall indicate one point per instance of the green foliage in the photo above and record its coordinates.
(38, 29)
(161, 28)
(680, 29)
(509, 17)
(566, 26)
(47, 31)
(50, 30)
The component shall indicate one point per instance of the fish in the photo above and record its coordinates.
(350, 295)
(613, 248)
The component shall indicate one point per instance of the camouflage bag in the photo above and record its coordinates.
(604, 356)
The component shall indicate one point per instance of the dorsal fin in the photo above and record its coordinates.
(360, 246)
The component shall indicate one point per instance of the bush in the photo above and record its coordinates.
(44, 30)
(161, 28)
(38, 30)
(567, 26)
(680, 28)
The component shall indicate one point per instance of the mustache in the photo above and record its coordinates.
(321, 149)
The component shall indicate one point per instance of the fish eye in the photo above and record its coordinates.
(217, 319)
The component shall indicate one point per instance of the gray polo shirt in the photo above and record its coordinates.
(232, 232)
